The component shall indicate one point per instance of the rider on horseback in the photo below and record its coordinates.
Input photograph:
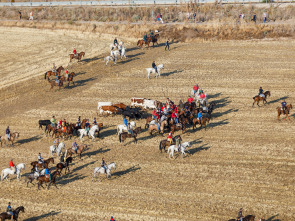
(151, 34)
(129, 129)
(170, 137)
(36, 173)
(115, 42)
(59, 124)
(54, 68)
(195, 88)
(12, 167)
(87, 127)
(67, 74)
(56, 143)
(200, 116)
(240, 215)
(75, 146)
(9, 210)
(154, 66)
(40, 160)
(75, 52)
(94, 121)
(145, 38)
(284, 104)
(57, 79)
(190, 99)
(47, 173)
(7, 132)
(53, 121)
(103, 165)
(125, 121)
(261, 92)
(78, 121)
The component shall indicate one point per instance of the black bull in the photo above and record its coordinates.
(43, 123)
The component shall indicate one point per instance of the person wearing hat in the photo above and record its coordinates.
(75, 52)
(240, 215)
(284, 104)
(170, 137)
(103, 164)
(94, 121)
(190, 99)
(54, 68)
(9, 209)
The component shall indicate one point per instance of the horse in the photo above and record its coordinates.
(70, 78)
(154, 39)
(40, 165)
(141, 42)
(80, 55)
(246, 218)
(65, 165)
(203, 122)
(258, 98)
(174, 148)
(153, 71)
(287, 111)
(123, 127)
(107, 59)
(79, 151)
(13, 137)
(101, 170)
(148, 120)
(4, 216)
(57, 150)
(91, 132)
(157, 127)
(64, 132)
(177, 127)
(51, 73)
(123, 51)
(8, 171)
(164, 143)
(44, 179)
(124, 135)
(54, 83)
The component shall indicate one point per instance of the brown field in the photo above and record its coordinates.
(244, 159)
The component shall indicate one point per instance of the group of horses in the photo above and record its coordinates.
(280, 111)
(154, 40)
(62, 79)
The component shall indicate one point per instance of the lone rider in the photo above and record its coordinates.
(12, 167)
(40, 160)
(103, 164)
(154, 66)
(170, 137)
(78, 124)
(75, 52)
(240, 215)
(53, 121)
(145, 38)
(54, 68)
(87, 127)
(284, 104)
(261, 92)
(75, 146)
(9, 210)
(7, 132)
(200, 116)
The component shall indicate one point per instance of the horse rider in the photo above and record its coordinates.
(59, 124)
(54, 68)
(9, 209)
(151, 34)
(115, 42)
(196, 88)
(47, 174)
(67, 74)
(125, 121)
(57, 79)
(178, 143)
(284, 105)
(75, 146)
(170, 137)
(261, 92)
(7, 132)
(36, 173)
(40, 160)
(240, 215)
(190, 99)
(154, 66)
(75, 52)
(63, 124)
(12, 166)
(56, 143)
(120, 49)
(53, 121)
(78, 124)
(103, 164)
(94, 121)
(200, 116)
(129, 129)
(154, 114)
(112, 219)
(87, 127)
(145, 38)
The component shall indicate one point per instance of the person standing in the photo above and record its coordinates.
(20, 15)
(254, 18)
(31, 16)
(265, 16)
(167, 45)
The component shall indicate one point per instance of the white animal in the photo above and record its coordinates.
(107, 59)
(122, 127)
(58, 150)
(153, 71)
(123, 51)
(8, 171)
(147, 103)
(92, 131)
(174, 148)
(101, 170)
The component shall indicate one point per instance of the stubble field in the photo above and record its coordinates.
(244, 159)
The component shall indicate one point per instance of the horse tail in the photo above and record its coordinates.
(120, 138)
(160, 146)
(45, 75)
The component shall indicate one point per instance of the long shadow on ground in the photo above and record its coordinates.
(219, 114)
(124, 172)
(52, 213)
(171, 72)
(28, 140)
(198, 149)
(100, 150)
(80, 83)
(272, 218)
(277, 100)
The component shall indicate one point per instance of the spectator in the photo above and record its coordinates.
(167, 45)
(265, 16)
(158, 17)
(31, 16)
(243, 16)
(254, 18)
(20, 15)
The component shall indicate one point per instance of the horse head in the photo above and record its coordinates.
(20, 166)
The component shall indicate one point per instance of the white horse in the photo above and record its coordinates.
(153, 71)
(107, 59)
(58, 150)
(122, 127)
(101, 170)
(123, 51)
(92, 131)
(174, 148)
(8, 171)
(112, 46)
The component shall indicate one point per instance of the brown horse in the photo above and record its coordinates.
(40, 165)
(177, 127)
(124, 135)
(286, 112)
(141, 42)
(49, 129)
(65, 165)
(164, 143)
(62, 133)
(51, 73)
(148, 120)
(54, 83)
(154, 39)
(257, 98)
(246, 218)
(160, 129)
(203, 122)
(80, 149)
(13, 137)
(4, 216)
(70, 78)
(80, 55)
(46, 179)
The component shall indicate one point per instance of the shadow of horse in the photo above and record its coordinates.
(135, 55)
(83, 166)
(50, 214)
(28, 140)
(277, 100)
(219, 123)
(214, 95)
(171, 72)
(100, 150)
(198, 149)
(272, 218)
(127, 60)
(124, 172)
(106, 133)
(71, 178)
(222, 102)
(81, 82)
(87, 60)
(219, 114)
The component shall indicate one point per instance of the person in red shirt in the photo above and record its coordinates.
(112, 219)
(175, 110)
(190, 99)
(75, 52)
(154, 113)
(12, 166)
(202, 96)
(170, 137)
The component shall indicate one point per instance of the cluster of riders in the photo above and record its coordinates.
(240, 217)
(152, 38)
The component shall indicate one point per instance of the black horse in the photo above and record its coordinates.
(65, 165)
(4, 216)
(43, 123)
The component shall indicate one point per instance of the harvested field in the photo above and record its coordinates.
(244, 159)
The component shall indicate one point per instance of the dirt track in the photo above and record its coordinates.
(244, 159)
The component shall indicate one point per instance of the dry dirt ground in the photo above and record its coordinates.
(244, 159)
